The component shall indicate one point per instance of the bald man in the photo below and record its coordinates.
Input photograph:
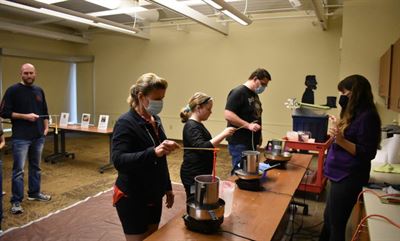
(25, 104)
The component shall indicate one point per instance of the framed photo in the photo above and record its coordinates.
(103, 122)
(64, 119)
(85, 120)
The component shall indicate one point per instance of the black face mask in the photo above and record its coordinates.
(343, 100)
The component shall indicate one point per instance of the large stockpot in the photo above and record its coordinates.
(206, 190)
(207, 212)
(250, 162)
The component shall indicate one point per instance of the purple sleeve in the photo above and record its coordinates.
(368, 136)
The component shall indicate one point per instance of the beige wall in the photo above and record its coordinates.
(85, 90)
(20, 41)
(369, 28)
(202, 60)
(52, 75)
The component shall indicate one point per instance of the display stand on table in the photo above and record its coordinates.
(315, 183)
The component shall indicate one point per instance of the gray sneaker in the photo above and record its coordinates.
(40, 197)
(16, 208)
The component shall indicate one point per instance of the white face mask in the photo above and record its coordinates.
(154, 107)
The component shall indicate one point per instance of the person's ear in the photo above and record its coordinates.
(141, 96)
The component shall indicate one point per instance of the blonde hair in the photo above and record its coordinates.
(145, 84)
(197, 99)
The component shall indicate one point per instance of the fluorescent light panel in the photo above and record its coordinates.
(234, 17)
(113, 28)
(229, 11)
(49, 12)
(201, 2)
(213, 4)
(118, 11)
(295, 3)
(185, 10)
(50, 1)
(110, 4)
(65, 16)
(86, 21)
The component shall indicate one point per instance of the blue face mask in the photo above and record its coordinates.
(155, 107)
(260, 89)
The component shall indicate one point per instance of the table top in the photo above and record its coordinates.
(377, 227)
(308, 145)
(77, 127)
(255, 215)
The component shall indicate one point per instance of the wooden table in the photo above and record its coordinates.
(255, 215)
(60, 152)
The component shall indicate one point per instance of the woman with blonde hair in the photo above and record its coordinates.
(195, 134)
(139, 150)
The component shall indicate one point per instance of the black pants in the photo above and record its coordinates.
(340, 202)
(189, 195)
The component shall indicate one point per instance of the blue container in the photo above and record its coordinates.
(317, 125)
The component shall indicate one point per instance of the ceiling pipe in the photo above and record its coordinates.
(189, 12)
(319, 11)
(35, 6)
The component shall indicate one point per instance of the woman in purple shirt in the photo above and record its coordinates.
(347, 166)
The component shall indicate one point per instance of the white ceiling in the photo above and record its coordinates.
(27, 22)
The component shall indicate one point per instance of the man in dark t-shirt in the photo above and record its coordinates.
(25, 104)
(243, 110)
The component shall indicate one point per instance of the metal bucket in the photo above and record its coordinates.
(250, 161)
(206, 190)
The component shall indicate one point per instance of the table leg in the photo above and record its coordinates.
(109, 165)
(56, 150)
(59, 155)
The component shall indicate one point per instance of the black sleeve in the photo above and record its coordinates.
(368, 136)
(6, 107)
(168, 179)
(123, 157)
(234, 101)
(195, 136)
(167, 176)
(45, 110)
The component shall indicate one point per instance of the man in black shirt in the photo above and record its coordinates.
(243, 110)
(25, 104)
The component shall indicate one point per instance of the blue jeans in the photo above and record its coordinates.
(236, 152)
(23, 149)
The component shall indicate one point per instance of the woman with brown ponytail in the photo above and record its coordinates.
(195, 134)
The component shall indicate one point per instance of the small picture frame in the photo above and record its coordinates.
(85, 120)
(64, 119)
(103, 122)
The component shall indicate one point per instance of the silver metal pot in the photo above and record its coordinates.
(250, 161)
(213, 212)
(206, 190)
